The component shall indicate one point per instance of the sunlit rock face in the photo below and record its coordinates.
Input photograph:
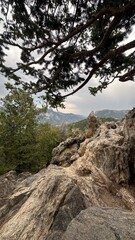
(88, 192)
(109, 148)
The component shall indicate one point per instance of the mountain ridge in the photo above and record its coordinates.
(107, 113)
(59, 118)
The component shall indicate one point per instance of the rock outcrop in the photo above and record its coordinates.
(88, 192)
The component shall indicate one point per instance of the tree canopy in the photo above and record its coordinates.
(18, 128)
(63, 44)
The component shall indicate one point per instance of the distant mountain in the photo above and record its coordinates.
(58, 118)
(116, 114)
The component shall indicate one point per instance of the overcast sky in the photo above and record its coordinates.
(117, 96)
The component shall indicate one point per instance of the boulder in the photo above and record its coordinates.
(93, 125)
(41, 206)
(102, 224)
(8, 183)
(62, 155)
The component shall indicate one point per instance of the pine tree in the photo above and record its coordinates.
(64, 44)
(48, 137)
(18, 129)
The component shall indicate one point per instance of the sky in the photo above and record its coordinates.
(118, 96)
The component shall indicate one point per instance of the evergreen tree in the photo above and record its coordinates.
(64, 44)
(18, 129)
(48, 137)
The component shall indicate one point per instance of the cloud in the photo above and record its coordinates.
(3, 90)
(117, 96)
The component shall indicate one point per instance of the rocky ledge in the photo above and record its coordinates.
(87, 192)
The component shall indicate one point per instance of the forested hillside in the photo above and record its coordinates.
(116, 114)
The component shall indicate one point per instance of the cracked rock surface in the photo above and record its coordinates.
(86, 193)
